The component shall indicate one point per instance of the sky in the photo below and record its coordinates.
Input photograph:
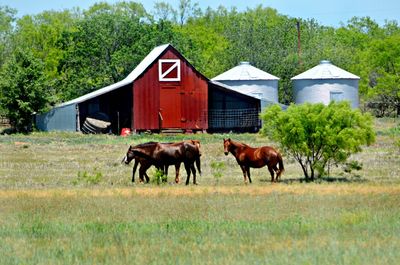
(328, 13)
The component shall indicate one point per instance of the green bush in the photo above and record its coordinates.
(159, 177)
(87, 178)
(217, 169)
(316, 135)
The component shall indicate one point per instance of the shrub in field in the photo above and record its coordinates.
(316, 135)
(217, 169)
(87, 178)
(159, 177)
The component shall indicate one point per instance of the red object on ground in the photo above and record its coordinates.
(125, 131)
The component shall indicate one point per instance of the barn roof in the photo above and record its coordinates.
(245, 71)
(325, 70)
(140, 68)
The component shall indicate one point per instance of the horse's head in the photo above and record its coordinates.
(129, 156)
(227, 145)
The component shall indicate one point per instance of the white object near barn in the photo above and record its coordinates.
(249, 80)
(325, 83)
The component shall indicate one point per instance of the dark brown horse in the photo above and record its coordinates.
(248, 157)
(162, 155)
(144, 163)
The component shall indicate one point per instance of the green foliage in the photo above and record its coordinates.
(88, 178)
(82, 51)
(315, 135)
(217, 168)
(383, 60)
(159, 177)
(23, 89)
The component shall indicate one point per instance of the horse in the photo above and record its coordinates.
(193, 151)
(248, 157)
(144, 163)
(162, 155)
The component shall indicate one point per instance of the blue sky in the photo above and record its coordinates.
(329, 13)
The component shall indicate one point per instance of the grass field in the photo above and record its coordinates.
(66, 199)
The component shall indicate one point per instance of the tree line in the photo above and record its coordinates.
(55, 56)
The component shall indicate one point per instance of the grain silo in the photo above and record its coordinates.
(325, 83)
(249, 80)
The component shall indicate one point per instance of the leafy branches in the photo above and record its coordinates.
(316, 135)
(23, 89)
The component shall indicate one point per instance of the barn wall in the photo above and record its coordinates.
(58, 119)
(191, 94)
(231, 111)
(319, 91)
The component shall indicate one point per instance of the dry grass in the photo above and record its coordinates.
(300, 189)
(50, 216)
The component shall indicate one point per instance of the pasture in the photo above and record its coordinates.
(65, 198)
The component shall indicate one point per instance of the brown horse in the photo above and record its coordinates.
(144, 163)
(161, 155)
(248, 157)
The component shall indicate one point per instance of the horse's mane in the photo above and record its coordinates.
(240, 143)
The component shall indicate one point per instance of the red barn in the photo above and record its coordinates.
(169, 94)
(163, 92)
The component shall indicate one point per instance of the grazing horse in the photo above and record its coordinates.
(144, 163)
(248, 157)
(162, 155)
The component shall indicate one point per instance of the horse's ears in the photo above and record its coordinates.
(229, 139)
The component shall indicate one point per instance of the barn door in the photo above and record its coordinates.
(170, 107)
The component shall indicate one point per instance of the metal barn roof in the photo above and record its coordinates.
(245, 71)
(325, 70)
(140, 68)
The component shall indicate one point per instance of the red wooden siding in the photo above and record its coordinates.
(182, 104)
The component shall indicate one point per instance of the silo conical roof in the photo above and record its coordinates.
(325, 70)
(244, 71)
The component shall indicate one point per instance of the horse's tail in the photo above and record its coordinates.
(281, 167)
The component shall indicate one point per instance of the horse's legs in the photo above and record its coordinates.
(278, 172)
(248, 173)
(134, 170)
(147, 177)
(271, 171)
(142, 172)
(165, 172)
(187, 167)
(194, 174)
(177, 167)
(244, 173)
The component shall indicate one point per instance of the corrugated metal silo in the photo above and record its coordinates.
(325, 83)
(251, 81)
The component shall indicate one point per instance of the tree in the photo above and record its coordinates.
(316, 135)
(383, 58)
(23, 89)
(164, 12)
(7, 17)
(109, 41)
